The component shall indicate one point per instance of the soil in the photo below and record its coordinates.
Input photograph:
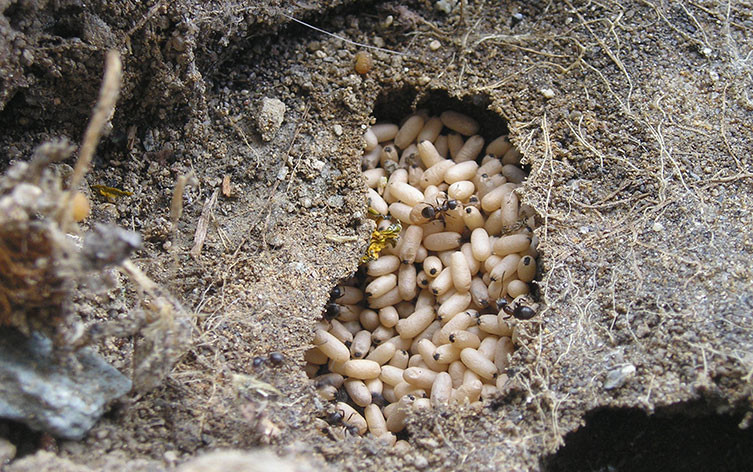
(635, 120)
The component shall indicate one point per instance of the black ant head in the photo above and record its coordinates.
(336, 293)
(502, 304)
(452, 204)
(335, 417)
(332, 310)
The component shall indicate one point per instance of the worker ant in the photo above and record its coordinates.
(337, 418)
(425, 212)
(516, 309)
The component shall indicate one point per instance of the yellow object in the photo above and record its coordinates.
(111, 193)
(380, 240)
(80, 207)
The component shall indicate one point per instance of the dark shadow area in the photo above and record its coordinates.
(690, 438)
(394, 105)
(24, 438)
(476, 106)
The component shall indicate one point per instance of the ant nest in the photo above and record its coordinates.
(427, 320)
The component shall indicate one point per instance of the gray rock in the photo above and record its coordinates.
(40, 390)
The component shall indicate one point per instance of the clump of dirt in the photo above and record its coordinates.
(642, 192)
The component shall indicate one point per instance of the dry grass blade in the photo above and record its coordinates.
(103, 110)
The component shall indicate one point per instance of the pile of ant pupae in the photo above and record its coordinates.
(429, 319)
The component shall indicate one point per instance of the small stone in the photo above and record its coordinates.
(423, 80)
(616, 378)
(338, 129)
(446, 6)
(547, 93)
(420, 462)
(658, 227)
(28, 57)
(434, 45)
(170, 456)
(108, 212)
(72, 447)
(428, 443)
(270, 117)
(7, 452)
(282, 173)
(317, 164)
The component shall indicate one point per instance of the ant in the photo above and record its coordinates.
(338, 418)
(429, 212)
(519, 310)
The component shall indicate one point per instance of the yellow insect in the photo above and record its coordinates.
(380, 239)
(111, 193)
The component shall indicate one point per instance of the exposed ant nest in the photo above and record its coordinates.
(429, 319)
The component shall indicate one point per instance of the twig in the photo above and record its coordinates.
(203, 224)
(103, 110)
(361, 45)
(108, 95)
(176, 204)
(547, 156)
(731, 178)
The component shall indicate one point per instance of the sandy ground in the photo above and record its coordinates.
(635, 119)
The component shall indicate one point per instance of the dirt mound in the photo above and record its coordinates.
(635, 122)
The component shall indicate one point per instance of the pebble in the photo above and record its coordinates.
(547, 93)
(434, 45)
(446, 6)
(420, 462)
(171, 457)
(270, 117)
(282, 173)
(616, 378)
(7, 452)
(338, 129)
